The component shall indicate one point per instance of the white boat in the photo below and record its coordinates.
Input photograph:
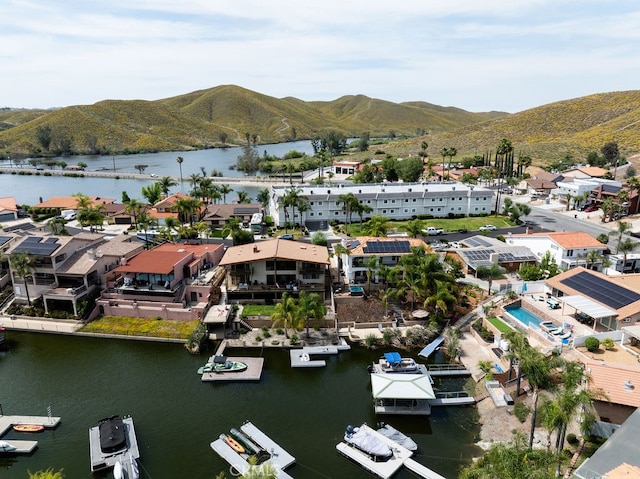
(392, 433)
(377, 450)
(118, 471)
(394, 363)
(6, 447)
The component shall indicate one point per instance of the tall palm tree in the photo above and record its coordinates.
(442, 299)
(187, 208)
(348, 201)
(360, 208)
(286, 313)
(134, 207)
(311, 307)
(292, 198)
(224, 191)
(634, 184)
(152, 193)
(23, 265)
(83, 202)
(625, 247)
(166, 183)
(372, 266)
(180, 160)
(263, 197)
(243, 197)
(623, 227)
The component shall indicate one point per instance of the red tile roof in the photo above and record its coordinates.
(276, 248)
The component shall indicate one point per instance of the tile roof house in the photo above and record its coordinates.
(68, 268)
(585, 172)
(70, 202)
(267, 269)
(217, 215)
(172, 281)
(8, 209)
(569, 249)
(388, 252)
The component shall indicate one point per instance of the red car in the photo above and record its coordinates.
(591, 208)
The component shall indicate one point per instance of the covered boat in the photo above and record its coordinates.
(394, 363)
(223, 365)
(113, 437)
(359, 438)
(6, 447)
(392, 433)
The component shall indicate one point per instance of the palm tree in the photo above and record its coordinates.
(348, 201)
(194, 180)
(414, 228)
(292, 198)
(83, 202)
(592, 257)
(451, 152)
(23, 265)
(625, 247)
(286, 313)
(133, 208)
(607, 208)
(180, 160)
(634, 184)
(166, 183)
(311, 307)
(224, 191)
(377, 226)
(623, 227)
(361, 209)
(58, 226)
(495, 271)
(442, 299)
(187, 208)
(152, 193)
(243, 197)
(372, 266)
(263, 197)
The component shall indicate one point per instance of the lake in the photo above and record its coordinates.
(177, 416)
(29, 189)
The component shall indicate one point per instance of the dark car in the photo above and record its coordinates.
(463, 230)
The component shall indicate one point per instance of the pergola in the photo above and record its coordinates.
(588, 306)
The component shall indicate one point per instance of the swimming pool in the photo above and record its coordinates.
(523, 315)
(356, 290)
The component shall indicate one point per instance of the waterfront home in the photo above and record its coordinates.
(68, 268)
(8, 209)
(484, 251)
(396, 201)
(388, 251)
(217, 216)
(266, 269)
(611, 301)
(569, 249)
(68, 203)
(171, 281)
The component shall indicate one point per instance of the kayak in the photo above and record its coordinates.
(233, 444)
(28, 427)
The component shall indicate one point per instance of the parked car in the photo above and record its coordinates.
(287, 236)
(433, 231)
(463, 230)
(488, 228)
(591, 208)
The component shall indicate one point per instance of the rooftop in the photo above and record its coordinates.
(566, 239)
(276, 248)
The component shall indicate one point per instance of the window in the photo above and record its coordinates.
(384, 212)
(311, 214)
(569, 252)
(385, 202)
(319, 203)
(319, 213)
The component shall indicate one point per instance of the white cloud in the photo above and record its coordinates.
(475, 55)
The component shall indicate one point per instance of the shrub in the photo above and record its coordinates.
(592, 344)
(607, 343)
(370, 340)
(258, 338)
(279, 331)
(521, 410)
(572, 439)
(294, 339)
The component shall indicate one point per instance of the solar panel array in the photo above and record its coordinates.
(5, 239)
(387, 247)
(246, 211)
(22, 226)
(601, 290)
(479, 255)
(34, 245)
(477, 241)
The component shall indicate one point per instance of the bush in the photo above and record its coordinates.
(521, 410)
(572, 439)
(608, 343)
(370, 340)
(294, 339)
(592, 344)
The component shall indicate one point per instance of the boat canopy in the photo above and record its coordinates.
(401, 386)
(393, 358)
(370, 444)
(112, 434)
(218, 359)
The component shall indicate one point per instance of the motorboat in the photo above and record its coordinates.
(6, 447)
(113, 441)
(221, 364)
(28, 427)
(392, 433)
(394, 363)
(377, 450)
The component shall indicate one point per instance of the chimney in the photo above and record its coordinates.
(529, 230)
(255, 248)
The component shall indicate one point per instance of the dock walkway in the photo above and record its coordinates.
(440, 370)
(21, 446)
(252, 373)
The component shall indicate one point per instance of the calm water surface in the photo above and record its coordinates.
(177, 416)
(29, 189)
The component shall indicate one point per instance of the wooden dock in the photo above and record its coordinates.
(252, 373)
(280, 459)
(22, 446)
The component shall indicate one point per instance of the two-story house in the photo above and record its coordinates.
(265, 270)
(217, 215)
(569, 249)
(68, 268)
(171, 281)
(366, 254)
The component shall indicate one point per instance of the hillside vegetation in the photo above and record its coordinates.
(226, 114)
(217, 116)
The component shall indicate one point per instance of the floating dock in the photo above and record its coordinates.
(280, 459)
(401, 457)
(21, 446)
(252, 373)
(439, 370)
(127, 458)
(302, 358)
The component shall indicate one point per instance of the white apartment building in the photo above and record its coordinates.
(396, 201)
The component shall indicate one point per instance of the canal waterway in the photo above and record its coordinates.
(28, 189)
(176, 415)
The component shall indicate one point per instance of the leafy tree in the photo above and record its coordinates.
(248, 160)
(611, 154)
(44, 136)
(141, 168)
(319, 238)
(377, 226)
(223, 136)
(410, 169)
(363, 144)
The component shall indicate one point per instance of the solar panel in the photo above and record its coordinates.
(477, 241)
(245, 211)
(33, 246)
(373, 247)
(5, 239)
(51, 240)
(601, 290)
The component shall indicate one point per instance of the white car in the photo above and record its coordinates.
(153, 175)
(488, 228)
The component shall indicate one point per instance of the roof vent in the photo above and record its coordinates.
(628, 385)
(255, 248)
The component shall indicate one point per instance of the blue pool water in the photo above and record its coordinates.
(356, 290)
(524, 316)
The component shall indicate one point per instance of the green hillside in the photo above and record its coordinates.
(199, 119)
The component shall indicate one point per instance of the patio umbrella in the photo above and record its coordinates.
(524, 287)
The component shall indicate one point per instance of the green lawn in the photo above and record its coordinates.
(161, 328)
(499, 324)
(258, 310)
(471, 223)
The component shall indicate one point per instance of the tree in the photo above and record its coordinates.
(625, 247)
(180, 160)
(263, 197)
(311, 308)
(248, 160)
(410, 169)
(44, 136)
(495, 271)
(348, 201)
(377, 226)
(23, 265)
(187, 208)
(223, 135)
(286, 313)
(166, 183)
(292, 198)
(141, 168)
(623, 227)
(134, 207)
(58, 226)
(414, 228)
(441, 300)
(152, 193)
(611, 154)
(224, 191)
(243, 197)
(48, 474)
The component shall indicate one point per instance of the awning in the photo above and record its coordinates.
(393, 358)
(588, 306)
(401, 386)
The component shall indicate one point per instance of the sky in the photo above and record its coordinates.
(479, 55)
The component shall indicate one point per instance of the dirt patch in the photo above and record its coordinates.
(364, 311)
